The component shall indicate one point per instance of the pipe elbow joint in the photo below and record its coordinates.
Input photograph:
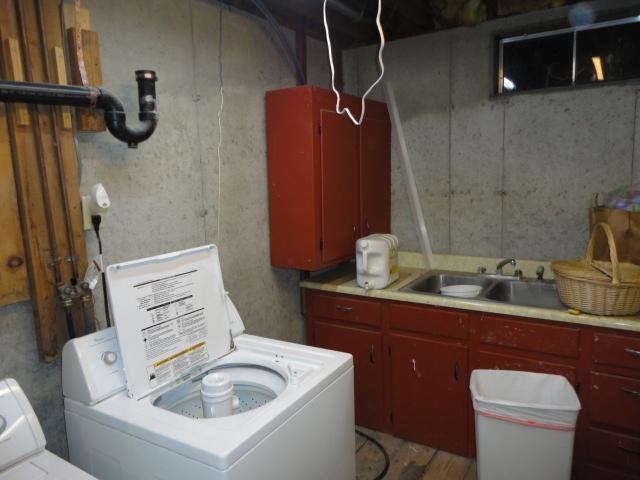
(116, 119)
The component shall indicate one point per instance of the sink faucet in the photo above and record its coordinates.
(504, 262)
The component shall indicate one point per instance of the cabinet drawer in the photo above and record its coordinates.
(623, 451)
(446, 323)
(491, 360)
(342, 307)
(615, 401)
(617, 350)
(532, 336)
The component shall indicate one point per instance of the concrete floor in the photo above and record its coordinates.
(409, 461)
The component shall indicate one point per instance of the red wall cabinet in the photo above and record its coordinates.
(329, 180)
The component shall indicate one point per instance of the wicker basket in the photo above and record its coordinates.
(599, 287)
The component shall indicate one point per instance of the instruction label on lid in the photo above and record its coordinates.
(170, 314)
(175, 320)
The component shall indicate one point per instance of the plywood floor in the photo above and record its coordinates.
(409, 461)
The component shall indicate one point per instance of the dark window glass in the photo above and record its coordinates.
(610, 53)
(538, 63)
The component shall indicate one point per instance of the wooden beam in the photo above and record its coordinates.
(312, 12)
(45, 170)
(32, 211)
(287, 13)
(14, 284)
(87, 120)
(68, 165)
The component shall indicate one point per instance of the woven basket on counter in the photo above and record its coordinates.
(599, 287)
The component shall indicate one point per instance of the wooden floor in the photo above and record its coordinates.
(409, 461)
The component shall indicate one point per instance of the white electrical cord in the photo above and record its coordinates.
(342, 111)
(220, 114)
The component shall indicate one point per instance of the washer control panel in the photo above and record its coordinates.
(92, 367)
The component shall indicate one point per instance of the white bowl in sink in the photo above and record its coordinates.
(464, 291)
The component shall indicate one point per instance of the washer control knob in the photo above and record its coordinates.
(109, 357)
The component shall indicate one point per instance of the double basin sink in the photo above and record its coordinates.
(495, 288)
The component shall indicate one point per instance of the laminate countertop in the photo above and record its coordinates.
(343, 280)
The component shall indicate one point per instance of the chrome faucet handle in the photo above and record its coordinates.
(482, 269)
(540, 273)
(518, 273)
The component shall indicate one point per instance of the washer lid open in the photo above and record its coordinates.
(171, 314)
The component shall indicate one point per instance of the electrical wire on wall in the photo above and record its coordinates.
(342, 111)
(220, 115)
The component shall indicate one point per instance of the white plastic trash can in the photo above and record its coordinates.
(525, 425)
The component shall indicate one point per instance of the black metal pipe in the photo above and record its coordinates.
(74, 96)
(47, 94)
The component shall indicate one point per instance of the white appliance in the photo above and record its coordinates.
(22, 453)
(133, 401)
(377, 260)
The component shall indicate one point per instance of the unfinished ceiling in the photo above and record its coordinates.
(352, 20)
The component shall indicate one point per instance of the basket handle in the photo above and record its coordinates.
(613, 252)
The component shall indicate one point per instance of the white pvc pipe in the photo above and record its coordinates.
(409, 179)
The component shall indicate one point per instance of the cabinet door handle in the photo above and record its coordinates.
(413, 363)
(629, 391)
(627, 449)
(456, 369)
(372, 354)
(340, 308)
(631, 351)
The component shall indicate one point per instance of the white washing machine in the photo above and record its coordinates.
(134, 402)
(22, 453)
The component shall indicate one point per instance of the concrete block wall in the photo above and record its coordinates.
(500, 176)
(165, 194)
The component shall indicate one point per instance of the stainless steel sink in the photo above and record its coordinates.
(495, 288)
(434, 281)
(529, 293)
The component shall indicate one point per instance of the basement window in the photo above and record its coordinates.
(584, 55)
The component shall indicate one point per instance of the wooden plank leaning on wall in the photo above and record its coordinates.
(45, 168)
(87, 120)
(14, 285)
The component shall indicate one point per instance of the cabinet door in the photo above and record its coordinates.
(429, 388)
(340, 186)
(366, 348)
(375, 176)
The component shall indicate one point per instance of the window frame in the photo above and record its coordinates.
(549, 33)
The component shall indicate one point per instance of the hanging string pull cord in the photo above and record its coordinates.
(342, 111)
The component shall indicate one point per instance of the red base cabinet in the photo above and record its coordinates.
(429, 382)
(365, 346)
(413, 362)
(329, 180)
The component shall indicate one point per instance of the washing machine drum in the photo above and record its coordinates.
(253, 387)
